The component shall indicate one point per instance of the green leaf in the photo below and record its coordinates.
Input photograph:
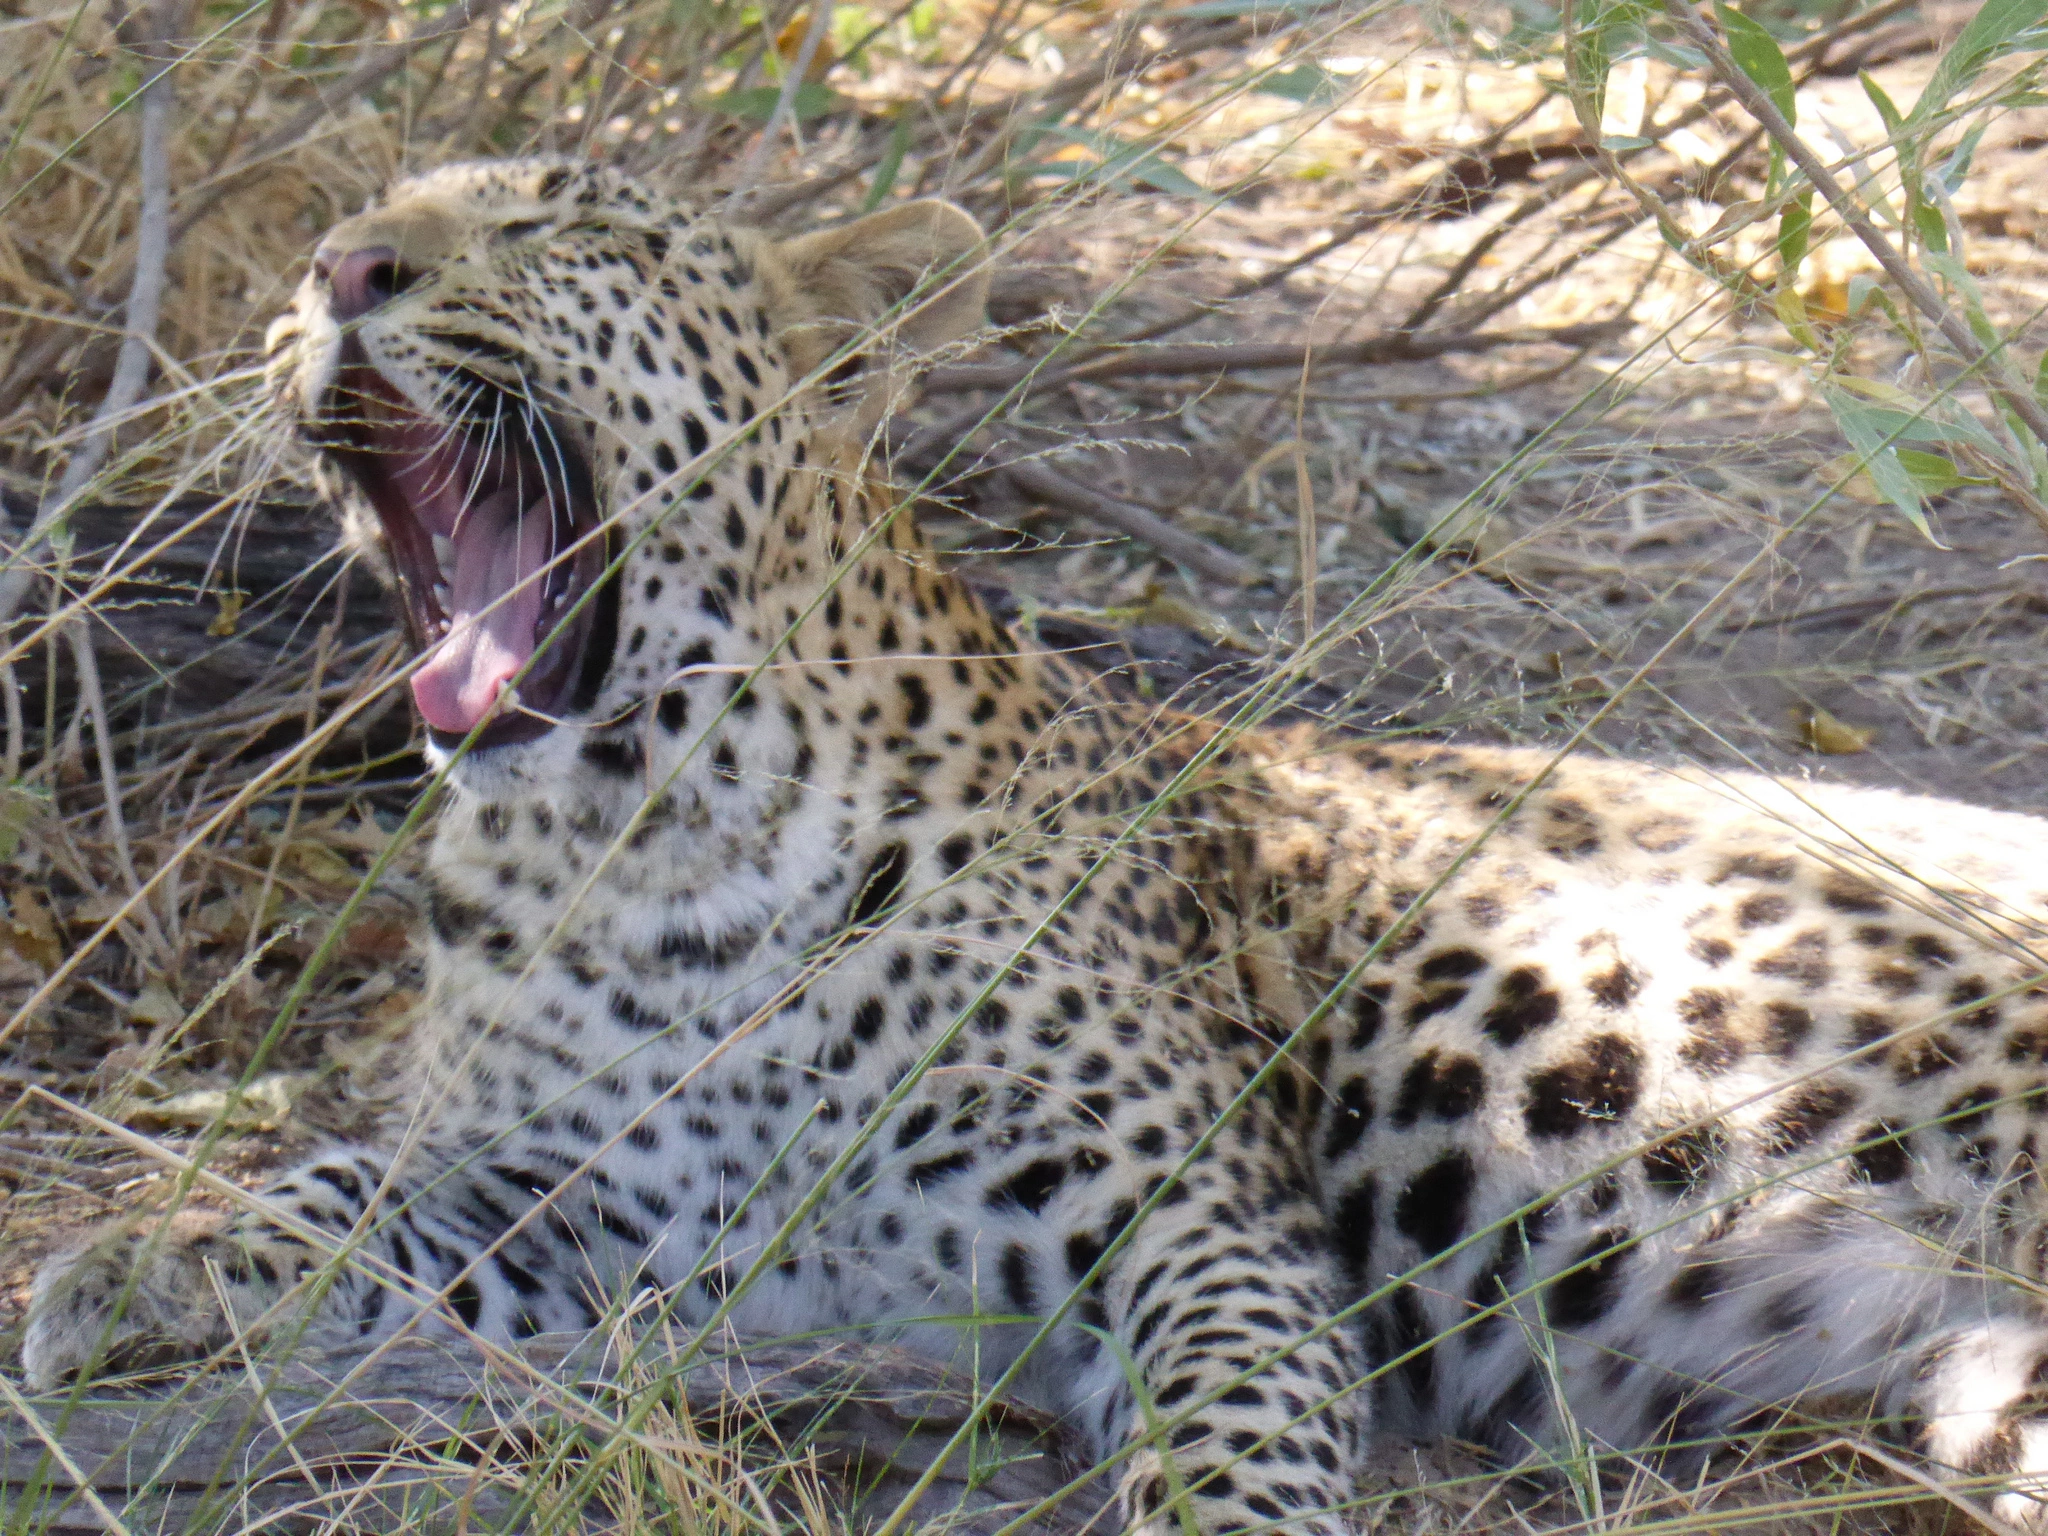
(887, 167)
(1932, 474)
(1881, 101)
(1931, 227)
(1874, 432)
(1999, 27)
(1896, 486)
(1795, 224)
(1532, 31)
(1677, 55)
(1948, 265)
(1310, 84)
(1599, 29)
(1908, 420)
(1882, 393)
(812, 99)
(1119, 161)
(1586, 63)
(1866, 289)
(1758, 56)
(1791, 311)
(2041, 381)
(21, 805)
(1956, 167)
(124, 83)
(1615, 143)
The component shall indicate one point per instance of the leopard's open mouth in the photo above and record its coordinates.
(499, 547)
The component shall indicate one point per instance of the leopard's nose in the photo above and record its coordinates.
(360, 281)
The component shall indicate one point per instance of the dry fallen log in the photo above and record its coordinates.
(196, 610)
(430, 1435)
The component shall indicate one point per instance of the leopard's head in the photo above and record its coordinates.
(580, 424)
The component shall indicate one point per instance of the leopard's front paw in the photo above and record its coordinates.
(140, 1295)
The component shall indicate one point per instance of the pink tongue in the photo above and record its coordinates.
(496, 569)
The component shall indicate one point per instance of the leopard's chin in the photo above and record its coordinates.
(500, 549)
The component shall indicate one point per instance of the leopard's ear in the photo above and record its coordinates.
(893, 286)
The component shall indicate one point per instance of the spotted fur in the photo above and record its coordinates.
(1661, 1101)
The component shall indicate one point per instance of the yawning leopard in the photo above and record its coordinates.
(809, 953)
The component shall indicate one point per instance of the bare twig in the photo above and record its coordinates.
(94, 704)
(10, 703)
(145, 305)
(1042, 482)
(1994, 367)
(1156, 362)
(764, 207)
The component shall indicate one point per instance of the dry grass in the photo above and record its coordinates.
(1487, 539)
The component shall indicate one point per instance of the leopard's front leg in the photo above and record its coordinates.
(155, 1290)
(1250, 1422)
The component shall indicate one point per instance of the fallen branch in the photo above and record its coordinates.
(1196, 360)
(193, 612)
(1041, 482)
(425, 1418)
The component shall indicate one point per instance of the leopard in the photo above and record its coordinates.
(808, 951)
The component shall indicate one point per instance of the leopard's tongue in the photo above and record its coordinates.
(495, 591)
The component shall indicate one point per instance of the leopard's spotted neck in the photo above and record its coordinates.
(851, 719)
